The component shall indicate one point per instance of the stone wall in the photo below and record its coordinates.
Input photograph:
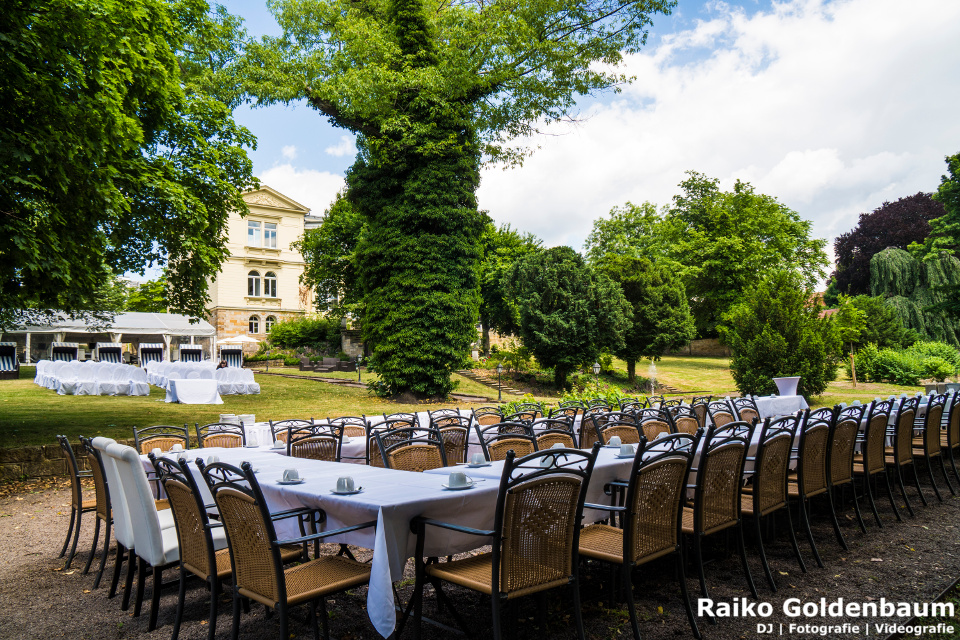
(709, 347)
(351, 342)
(39, 461)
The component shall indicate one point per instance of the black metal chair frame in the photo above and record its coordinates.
(952, 416)
(415, 435)
(498, 434)
(884, 407)
(283, 426)
(146, 434)
(842, 416)
(76, 510)
(934, 401)
(93, 456)
(902, 423)
(313, 431)
(205, 431)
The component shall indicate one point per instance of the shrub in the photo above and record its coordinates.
(898, 367)
(937, 368)
(940, 350)
(317, 332)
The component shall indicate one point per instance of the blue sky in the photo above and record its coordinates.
(831, 106)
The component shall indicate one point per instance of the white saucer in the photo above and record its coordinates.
(346, 493)
(299, 481)
(611, 446)
(252, 446)
(629, 455)
(466, 486)
(477, 466)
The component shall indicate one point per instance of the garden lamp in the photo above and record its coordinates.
(596, 369)
(499, 385)
(359, 360)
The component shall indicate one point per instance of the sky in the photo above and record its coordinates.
(833, 107)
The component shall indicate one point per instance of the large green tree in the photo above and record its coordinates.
(630, 230)
(945, 232)
(111, 159)
(661, 314)
(568, 310)
(774, 331)
(432, 88)
(150, 296)
(726, 241)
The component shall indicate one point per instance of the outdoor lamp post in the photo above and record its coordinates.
(596, 371)
(359, 360)
(499, 385)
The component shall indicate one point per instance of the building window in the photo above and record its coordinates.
(270, 235)
(254, 326)
(253, 233)
(253, 284)
(271, 320)
(270, 284)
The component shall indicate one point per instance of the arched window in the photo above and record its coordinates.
(271, 320)
(270, 284)
(253, 284)
(254, 326)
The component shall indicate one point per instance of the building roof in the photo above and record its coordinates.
(133, 323)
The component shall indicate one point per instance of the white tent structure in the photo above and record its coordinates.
(127, 328)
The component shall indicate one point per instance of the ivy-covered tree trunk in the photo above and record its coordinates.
(417, 260)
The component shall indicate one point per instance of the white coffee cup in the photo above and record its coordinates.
(278, 444)
(157, 451)
(477, 458)
(614, 441)
(290, 475)
(558, 445)
(457, 480)
(212, 459)
(626, 450)
(345, 484)
(547, 462)
(177, 447)
(252, 440)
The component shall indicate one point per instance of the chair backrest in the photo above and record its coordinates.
(122, 527)
(632, 404)
(281, 428)
(716, 501)
(496, 444)
(484, 416)
(140, 503)
(221, 434)
(455, 439)
(952, 420)
(812, 451)
(931, 424)
(720, 413)
(411, 418)
(315, 442)
(843, 443)
(566, 412)
(73, 470)
(189, 516)
(654, 402)
(746, 409)
(353, 426)
(773, 464)
(99, 478)
(628, 432)
(699, 406)
(536, 407)
(547, 438)
(653, 422)
(875, 436)
(685, 419)
(903, 430)
(445, 417)
(416, 449)
(513, 426)
(527, 416)
(530, 550)
(657, 481)
(162, 436)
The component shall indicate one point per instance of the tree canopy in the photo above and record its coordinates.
(568, 311)
(631, 230)
(150, 296)
(112, 159)
(945, 236)
(893, 224)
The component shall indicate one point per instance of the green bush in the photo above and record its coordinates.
(937, 368)
(898, 367)
(942, 350)
(322, 334)
(922, 360)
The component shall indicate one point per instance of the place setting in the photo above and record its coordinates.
(346, 487)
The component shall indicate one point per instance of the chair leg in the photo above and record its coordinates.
(103, 556)
(93, 547)
(313, 620)
(833, 518)
(117, 566)
(793, 538)
(698, 559)
(943, 470)
(284, 622)
(631, 605)
(893, 502)
(128, 584)
(76, 537)
(856, 507)
(743, 559)
(324, 619)
(763, 554)
(903, 492)
(577, 614)
(66, 541)
(178, 616)
(214, 606)
(235, 629)
(933, 481)
(141, 581)
(685, 593)
(495, 613)
(805, 523)
(953, 464)
(873, 505)
(916, 481)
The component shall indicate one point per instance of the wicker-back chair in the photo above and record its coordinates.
(415, 450)
(671, 402)
(536, 407)
(437, 417)
(588, 433)
(497, 443)
(255, 553)
(161, 437)
(768, 493)
(950, 436)
(412, 418)
(900, 455)
(374, 458)
(78, 506)
(840, 454)
(315, 442)
(281, 428)
(699, 406)
(519, 428)
(716, 497)
(455, 436)
(103, 512)
(811, 477)
(720, 413)
(628, 432)
(353, 426)
(570, 411)
(684, 419)
(534, 539)
(526, 416)
(221, 434)
(870, 461)
(632, 406)
(655, 401)
(485, 416)
(550, 431)
(746, 409)
(653, 422)
(927, 445)
(650, 516)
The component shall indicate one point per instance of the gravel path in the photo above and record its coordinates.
(909, 561)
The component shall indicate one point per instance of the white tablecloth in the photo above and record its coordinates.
(774, 406)
(193, 391)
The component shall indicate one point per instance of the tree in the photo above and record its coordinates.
(630, 230)
(774, 331)
(849, 321)
(726, 241)
(893, 224)
(431, 89)
(150, 296)
(329, 252)
(661, 315)
(112, 160)
(568, 311)
(883, 326)
(918, 290)
(945, 235)
(501, 248)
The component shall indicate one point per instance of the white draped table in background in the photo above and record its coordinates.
(192, 391)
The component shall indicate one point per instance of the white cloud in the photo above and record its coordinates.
(313, 189)
(832, 107)
(345, 147)
(289, 152)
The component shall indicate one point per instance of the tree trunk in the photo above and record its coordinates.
(485, 340)
(631, 371)
(560, 378)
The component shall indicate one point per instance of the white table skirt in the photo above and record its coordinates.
(775, 406)
(193, 391)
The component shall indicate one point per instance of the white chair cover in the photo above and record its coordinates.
(87, 380)
(138, 382)
(68, 378)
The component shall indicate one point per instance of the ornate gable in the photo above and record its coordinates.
(270, 198)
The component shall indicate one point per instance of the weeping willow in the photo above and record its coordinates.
(912, 287)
